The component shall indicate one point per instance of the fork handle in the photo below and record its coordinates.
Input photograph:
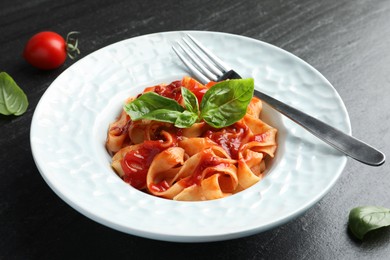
(345, 143)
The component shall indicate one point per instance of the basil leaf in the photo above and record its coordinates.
(186, 119)
(13, 101)
(148, 103)
(226, 102)
(190, 100)
(162, 115)
(365, 219)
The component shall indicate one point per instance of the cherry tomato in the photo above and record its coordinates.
(48, 50)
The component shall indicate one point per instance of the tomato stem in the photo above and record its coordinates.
(72, 45)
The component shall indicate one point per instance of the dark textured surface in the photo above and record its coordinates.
(347, 41)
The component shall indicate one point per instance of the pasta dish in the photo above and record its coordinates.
(199, 162)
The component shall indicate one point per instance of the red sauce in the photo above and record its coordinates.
(179, 133)
(136, 163)
(119, 128)
(260, 137)
(172, 90)
(230, 138)
(199, 92)
(159, 187)
(195, 87)
(208, 160)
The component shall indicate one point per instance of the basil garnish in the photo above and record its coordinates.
(222, 105)
(365, 219)
(13, 101)
(190, 100)
(186, 119)
(150, 105)
(226, 102)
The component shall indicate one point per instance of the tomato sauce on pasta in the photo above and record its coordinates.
(195, 163)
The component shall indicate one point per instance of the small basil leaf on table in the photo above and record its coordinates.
(365, 219)
(147, 105)
(226, 102)
(13, 101)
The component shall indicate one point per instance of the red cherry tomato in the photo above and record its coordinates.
(48, 50)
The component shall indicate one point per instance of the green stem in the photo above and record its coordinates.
(72, 45)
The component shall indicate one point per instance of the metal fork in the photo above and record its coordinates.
(206, 67)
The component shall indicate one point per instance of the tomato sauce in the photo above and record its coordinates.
(119, 130)
(208, 160)
(172, 90)
(195, 87)
(229, 138)
(260, 137)
(159, 187)
(199, 93)
(136, 163)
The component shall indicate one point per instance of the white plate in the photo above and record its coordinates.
(70, 123)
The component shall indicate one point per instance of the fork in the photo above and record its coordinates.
(205, 66)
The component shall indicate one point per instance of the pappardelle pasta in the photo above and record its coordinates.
(196, 163)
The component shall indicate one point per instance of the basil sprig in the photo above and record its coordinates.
(222, 105)
(226, 102)
(155, 107)
(365, 219)
(13, 101)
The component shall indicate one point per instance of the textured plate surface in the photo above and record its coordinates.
(70, 123)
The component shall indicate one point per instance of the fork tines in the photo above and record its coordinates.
(205, 65)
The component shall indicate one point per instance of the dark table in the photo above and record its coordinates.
(347, 41)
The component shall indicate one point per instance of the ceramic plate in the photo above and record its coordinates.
(70, 124)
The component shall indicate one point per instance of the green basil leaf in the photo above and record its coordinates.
(365, 219)
(186, 119)
(162, 115)
(13, 101)
(226, 102)
(148, 103)
(190, 100)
